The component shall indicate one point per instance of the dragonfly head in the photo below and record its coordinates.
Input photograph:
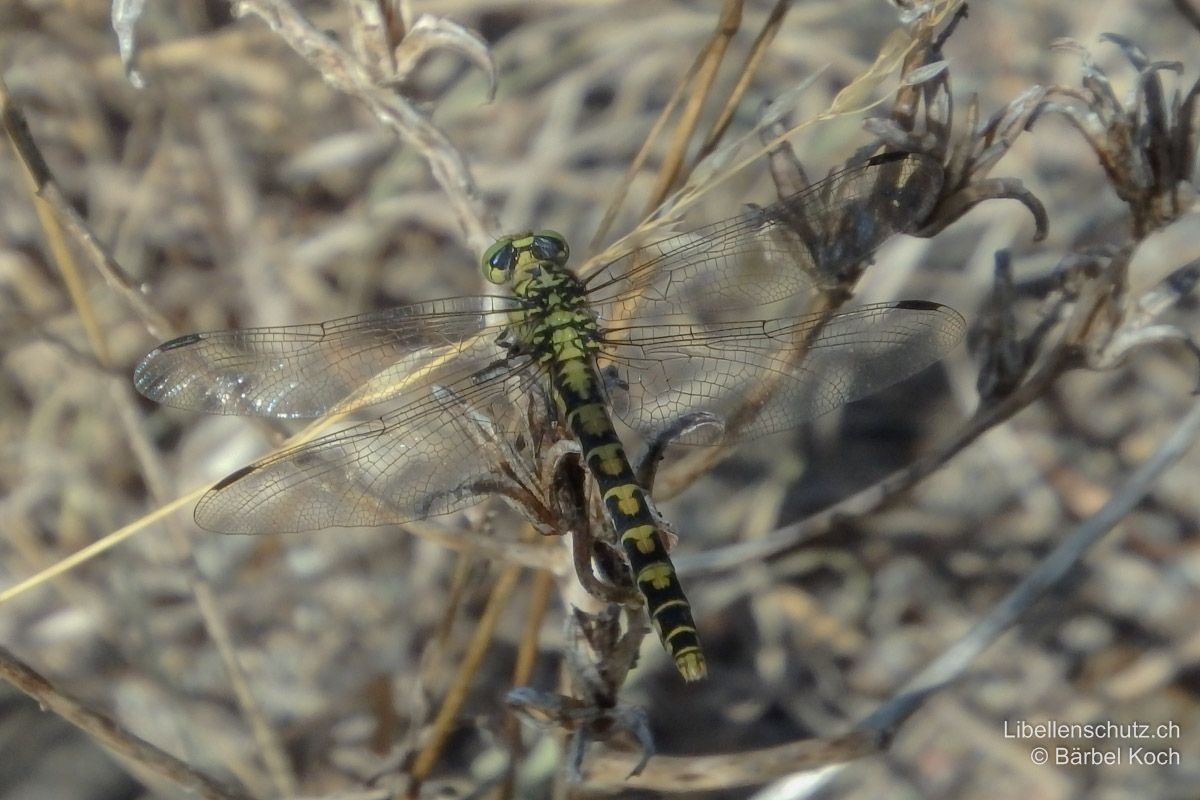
(509, 254)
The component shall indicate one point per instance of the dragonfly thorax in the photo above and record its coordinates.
(556, 324)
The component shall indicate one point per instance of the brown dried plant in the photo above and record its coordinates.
(372, 666)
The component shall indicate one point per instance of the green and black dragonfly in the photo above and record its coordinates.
(705, 324)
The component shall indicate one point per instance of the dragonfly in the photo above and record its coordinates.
(705, 324)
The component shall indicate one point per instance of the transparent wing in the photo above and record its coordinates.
(760, 377)
(770, 254)
(427, 457)
(302, 371)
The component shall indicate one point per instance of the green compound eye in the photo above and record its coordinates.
(498, 261)
(550, 246)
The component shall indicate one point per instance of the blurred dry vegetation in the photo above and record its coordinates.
(346, 158)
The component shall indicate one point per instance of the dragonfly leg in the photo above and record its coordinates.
(585, 551)
(683, 426)
(587, 722)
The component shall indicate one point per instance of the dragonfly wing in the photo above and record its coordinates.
(759, 377)
(788, 249)
(430, 456)
(302, 371)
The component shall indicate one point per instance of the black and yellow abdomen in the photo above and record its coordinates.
(559, 331)
(630, 513)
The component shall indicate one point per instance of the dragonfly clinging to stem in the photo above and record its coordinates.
(700, 323)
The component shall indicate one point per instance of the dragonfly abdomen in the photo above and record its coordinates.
(629, 511)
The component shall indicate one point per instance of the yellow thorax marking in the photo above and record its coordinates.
(564, 335)
(564, 316)
(566, 351)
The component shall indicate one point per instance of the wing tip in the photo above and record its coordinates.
(147, 375)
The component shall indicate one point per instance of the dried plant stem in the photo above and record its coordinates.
(610, 770)
(730, 770)
(880, 494)
(953, 663)
(347, 75)
(757, 51)
(465, 564)
(539, 602)
(643, 153)
(109, 733)
(273, 754)
(456, 695)
(1052, 569)
(711, 58)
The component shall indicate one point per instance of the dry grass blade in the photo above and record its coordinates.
(699, 86)
(115, 738)
(856, 98)
(639, 159)
(59, 220)
(540, 595)
(108, 542)
(456, 695)
(758, 51)
(274, 755)
(539, 600)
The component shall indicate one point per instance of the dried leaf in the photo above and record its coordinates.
(369, 37)
(431, 33)
(926, 73)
